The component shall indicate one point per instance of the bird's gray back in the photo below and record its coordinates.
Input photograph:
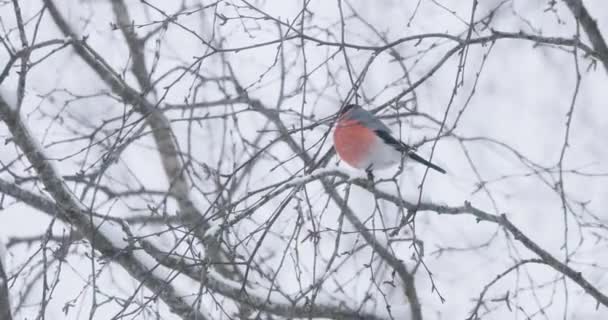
(366, 118)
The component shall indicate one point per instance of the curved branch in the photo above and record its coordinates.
(467, 208)
(397, 264)
(104, 235)
(273, 304)
(503, 221)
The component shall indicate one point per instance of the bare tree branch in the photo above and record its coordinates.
(591, 29)
(90, 226)
(5, 305)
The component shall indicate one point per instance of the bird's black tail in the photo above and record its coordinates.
(411, 154)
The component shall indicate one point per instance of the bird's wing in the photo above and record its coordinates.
(391, 141)
(368, 119)
(383, 132)
(409, 151)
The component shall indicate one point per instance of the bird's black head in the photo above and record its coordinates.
(347, 108)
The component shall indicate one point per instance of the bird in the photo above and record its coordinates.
(366, 143)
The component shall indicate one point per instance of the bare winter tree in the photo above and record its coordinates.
(174, 159)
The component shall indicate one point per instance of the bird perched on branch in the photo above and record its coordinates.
(365, 143)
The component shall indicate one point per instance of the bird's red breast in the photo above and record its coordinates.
(353, 142)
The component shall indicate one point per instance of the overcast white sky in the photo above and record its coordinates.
(521, 98)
